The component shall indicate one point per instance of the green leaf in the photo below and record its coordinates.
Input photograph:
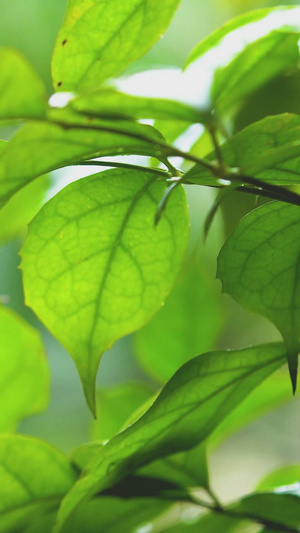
(81, 455)
(268, 149)
(209, 523)
(272, 509)
(34, 477)
(188, 469)
(282, 477)
(99, 39)
(141, 486)
(248, 52)
(24, 373)
(41, 147)
(95, 267)
(216, 37)
(22, 92)
(274, 391)
(185, 413)
(259, 267)
(260, 62)
(108, 103)
(185, 326)
(21, 208)
(106, 515)
(114, 407)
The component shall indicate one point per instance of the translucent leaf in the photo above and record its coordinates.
(21, 208)
(185, 326)
(268, 149)
(95, 267)
(259, 267)
(115, 405)
(246, 53)
(106, 515)
(24, 374)
(107, 103)
(41, 147)
(282, 477)
(274, 391)
(188, 409)
(22, 92)
(99, 39)
(34, 477)
(272, 509)
(188, 469)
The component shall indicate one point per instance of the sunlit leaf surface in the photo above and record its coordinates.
(95, 267)
(98, 39)
(190, 406)
(259, 267)
(22, 92)
(34, 477)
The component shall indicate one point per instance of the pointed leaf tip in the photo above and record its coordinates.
(293, 370)
(105, 268)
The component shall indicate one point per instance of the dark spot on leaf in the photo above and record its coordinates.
(59, 83)
(64, 42)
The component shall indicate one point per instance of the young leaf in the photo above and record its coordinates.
(24, 374)
(187, 410)
(41, 147)
(247, 52)
(115, 405)
(106, 515)
(34, 477)
(99, 39)
(22, 92)
(95, 267)
(273, 392)
(185, 326)
(215, 38)
(188, 469)
(259, 267)
(268, 149)
(259, 62)
(108, 103)
(281, 478)
(21, 208)
(272, 509)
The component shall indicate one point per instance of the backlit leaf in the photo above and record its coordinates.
(95, 267)
(115, 405)
(106, 515)
(24, 374)
(98, 39)
(22, 92)
(268, 149)
(274, 391)
(187, 410)
(259, 267)
(34, 477)
(41, 147)
(21, 208)
(246, 53)
(282, 477)
(107, 103)
(273, 509)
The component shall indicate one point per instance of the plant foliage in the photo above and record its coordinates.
(108, 255)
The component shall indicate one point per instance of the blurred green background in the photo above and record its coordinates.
(31, 26)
